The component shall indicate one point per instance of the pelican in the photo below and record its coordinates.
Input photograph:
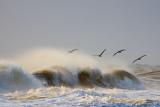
(139, 58)
(100, 55)
(73, 50)
(120, 51)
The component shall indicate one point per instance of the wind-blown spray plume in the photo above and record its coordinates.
(41, 58)
(54, 67)
(13, 77)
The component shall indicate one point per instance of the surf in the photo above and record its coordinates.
(55, 67)
(13, 77)
(52, 76)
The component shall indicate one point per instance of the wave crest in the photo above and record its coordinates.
(88, 77)
(13, 78)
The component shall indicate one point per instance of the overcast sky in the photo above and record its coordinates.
(90, 25)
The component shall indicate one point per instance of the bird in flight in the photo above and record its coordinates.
(139, 58)
(120, 51)
(100, 55)
(73, 50)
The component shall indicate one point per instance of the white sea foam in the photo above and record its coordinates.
(13, 77)
(23, 89)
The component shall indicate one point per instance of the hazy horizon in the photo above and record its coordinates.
(89, 25)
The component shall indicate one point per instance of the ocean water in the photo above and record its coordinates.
(54, 78)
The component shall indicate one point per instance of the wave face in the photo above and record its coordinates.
(52, 67)
(51, 77)
(14, 78)
(88, 78)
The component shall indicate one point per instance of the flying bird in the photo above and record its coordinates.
(139, 58)
(73, 50)
(120, 51)
(100, 55)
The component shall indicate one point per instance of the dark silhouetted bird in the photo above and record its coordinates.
(139, 58)
(100, 55)
(120, 51)
(73, 50)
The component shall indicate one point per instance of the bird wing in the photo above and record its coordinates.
(102, 52)
(72, 50)
(142, 56)
(122, 50)
(119, 52)
(115, 53)
(139, 58)
(135, 60)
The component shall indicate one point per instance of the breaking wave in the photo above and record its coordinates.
(13, 77)
(52, 67)
(87, 77)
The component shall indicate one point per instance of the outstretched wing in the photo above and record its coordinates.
(102, 52)
(71, 51)
(119, 52)
(135, 60)
(142, 56)
(115, 53)
(123, 50)
(139, 58)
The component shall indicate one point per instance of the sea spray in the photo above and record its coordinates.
(13, 77)
(57, 67)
